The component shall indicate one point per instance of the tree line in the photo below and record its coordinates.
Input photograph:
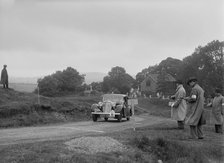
(205, 63)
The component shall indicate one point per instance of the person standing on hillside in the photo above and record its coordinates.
(179, 107)
(196, 109)
(218, 111)
(4, 77)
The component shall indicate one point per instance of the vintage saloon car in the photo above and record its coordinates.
(112, 106)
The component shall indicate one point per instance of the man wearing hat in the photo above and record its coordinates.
(196, 108)
(179, 107)
(218, 111)
(4, 77)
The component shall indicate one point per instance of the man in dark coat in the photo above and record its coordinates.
(196, 109)
(4, 77)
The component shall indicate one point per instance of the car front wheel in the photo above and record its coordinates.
(119, 117)
(94, 116)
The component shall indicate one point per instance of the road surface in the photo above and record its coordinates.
(75, 129)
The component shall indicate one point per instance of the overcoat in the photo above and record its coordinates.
(179, 109)
(4, 76)
(217, 110)
(196, 108)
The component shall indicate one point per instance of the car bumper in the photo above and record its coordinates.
(101, 113)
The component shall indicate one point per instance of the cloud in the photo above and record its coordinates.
(94, 36)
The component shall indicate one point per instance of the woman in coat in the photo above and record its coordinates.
(179, 107)
(218, 111)
(196, 108)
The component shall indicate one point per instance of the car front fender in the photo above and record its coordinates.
(95, 108)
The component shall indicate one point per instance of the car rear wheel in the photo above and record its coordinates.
(94, 116)
(106, 118)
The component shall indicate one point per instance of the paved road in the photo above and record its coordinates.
(70, 130)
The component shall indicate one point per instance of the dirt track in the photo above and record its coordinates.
(70, 130)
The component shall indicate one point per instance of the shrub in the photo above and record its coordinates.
(68, 80)
(14, 108)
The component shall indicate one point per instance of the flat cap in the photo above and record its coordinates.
(191, 79)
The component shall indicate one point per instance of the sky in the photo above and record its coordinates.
(40, 37)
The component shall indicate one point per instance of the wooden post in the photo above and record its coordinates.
(133, 114)
(133, 102)
(38, 95)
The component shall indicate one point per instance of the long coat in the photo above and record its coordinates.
(196, 108)
(179, 109)
(217, 110)
(4, 76)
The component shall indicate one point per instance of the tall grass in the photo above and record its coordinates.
(169, 151)
(24, 113)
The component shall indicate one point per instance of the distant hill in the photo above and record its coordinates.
(89, 78)
(94, 77)
(29, 84)
(23, 87)
(26, 80)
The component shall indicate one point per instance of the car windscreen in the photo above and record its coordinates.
(113, 98)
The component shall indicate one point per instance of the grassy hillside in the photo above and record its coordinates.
(22, 109)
